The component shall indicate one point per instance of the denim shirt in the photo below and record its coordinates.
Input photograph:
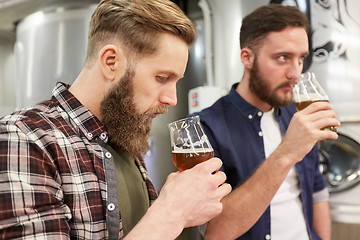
(233, 128)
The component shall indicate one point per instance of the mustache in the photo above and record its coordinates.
(157, 110)
(291, 84)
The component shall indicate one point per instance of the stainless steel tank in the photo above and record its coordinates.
(50, 47)
(7, 75)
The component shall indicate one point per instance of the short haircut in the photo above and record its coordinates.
(136, 25)
(269, 18)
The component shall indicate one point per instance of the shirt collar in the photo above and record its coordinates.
(87, 122)
(246, 109)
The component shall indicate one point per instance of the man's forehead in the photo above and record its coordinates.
(292, 38)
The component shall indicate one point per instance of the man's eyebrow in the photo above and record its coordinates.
(171, 73)
(289, 53)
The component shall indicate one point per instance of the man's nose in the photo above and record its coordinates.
(168, 96)
(295, 70)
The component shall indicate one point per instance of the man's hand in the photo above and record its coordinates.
(193, 196)
(305, 129)
(187, 199)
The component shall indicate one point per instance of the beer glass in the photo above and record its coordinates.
(308, 90)
(189, 143)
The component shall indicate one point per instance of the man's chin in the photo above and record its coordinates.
(285, 102)
(285, 99)
(280, 102)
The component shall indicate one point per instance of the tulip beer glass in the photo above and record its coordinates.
(189, 144)
(308, 90)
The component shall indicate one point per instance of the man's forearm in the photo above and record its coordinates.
(322, 220)
(245, 205)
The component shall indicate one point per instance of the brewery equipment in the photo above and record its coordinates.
(50, 47)
(7, 72)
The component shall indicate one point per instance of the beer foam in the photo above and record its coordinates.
(200, 150)
(309, 97)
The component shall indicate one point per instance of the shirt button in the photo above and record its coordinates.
(250, 116)
(103, 136)
(108, 155)
(267, 237)
(111, 207)
(261, 134)
(260, 114)
(90, 135)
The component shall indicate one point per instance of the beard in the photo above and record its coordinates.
(127, 129)
(260, 87)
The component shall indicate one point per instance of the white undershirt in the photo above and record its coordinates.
(287, 217)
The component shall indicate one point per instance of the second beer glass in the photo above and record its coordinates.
(308, 90)
(189, 143)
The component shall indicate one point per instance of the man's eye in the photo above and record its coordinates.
(161, 79)
(282, 58)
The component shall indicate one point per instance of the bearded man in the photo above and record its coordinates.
(267, 147)
(58, 158)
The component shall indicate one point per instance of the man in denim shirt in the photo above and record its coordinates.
(267, 147)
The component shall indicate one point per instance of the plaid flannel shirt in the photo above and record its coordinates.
(53, 182)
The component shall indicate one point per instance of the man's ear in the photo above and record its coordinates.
(112, 60)
(247, 57)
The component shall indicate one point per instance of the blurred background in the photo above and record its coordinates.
(44, 41)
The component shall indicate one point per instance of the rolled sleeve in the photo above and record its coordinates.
(321, 196)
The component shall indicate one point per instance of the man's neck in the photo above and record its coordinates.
(88, 91)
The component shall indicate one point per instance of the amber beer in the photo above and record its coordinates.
(184, 159)
(301, 105)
